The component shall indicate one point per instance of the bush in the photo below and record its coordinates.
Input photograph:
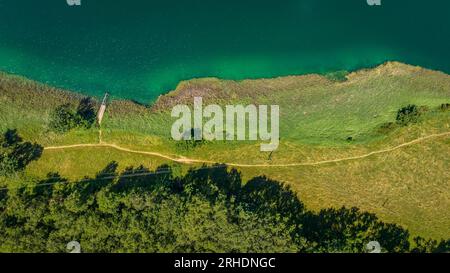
(409, 114)
(63, 118)
(445, 106)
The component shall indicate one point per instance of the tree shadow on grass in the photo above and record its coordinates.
(15, 154)
(330, 230)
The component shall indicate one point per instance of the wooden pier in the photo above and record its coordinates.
(101, 111)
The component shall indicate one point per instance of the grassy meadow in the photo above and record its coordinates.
(321, 118)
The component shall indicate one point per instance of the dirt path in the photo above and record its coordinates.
(184, 160)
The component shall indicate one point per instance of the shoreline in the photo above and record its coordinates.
(169, 92)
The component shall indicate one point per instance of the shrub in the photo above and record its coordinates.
(445, 106)
(408, 114)
(62, 119)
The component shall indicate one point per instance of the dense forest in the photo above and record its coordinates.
(209, 209)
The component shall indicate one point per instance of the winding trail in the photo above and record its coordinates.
(185, 160)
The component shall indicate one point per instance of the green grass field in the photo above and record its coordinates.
(409, 186)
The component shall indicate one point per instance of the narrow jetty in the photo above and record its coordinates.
(101, 111)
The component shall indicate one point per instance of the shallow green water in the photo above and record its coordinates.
(140, 49)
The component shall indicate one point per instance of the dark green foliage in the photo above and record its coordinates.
(443, 247)
(64, 118)
(409, 114)
(15, 154)
(86, 114)
(207, 210)
(8, 165)
(445, 107)
(266, 196)
(422, 245)
(10, 138)
(146, 213)
(346, 230)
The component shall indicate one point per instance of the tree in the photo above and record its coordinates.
(85, 114)
(62, 119)
(15, 154)
(422, 245)
(206, 210)
(349, 230)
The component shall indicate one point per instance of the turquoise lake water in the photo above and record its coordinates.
(141, 49)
